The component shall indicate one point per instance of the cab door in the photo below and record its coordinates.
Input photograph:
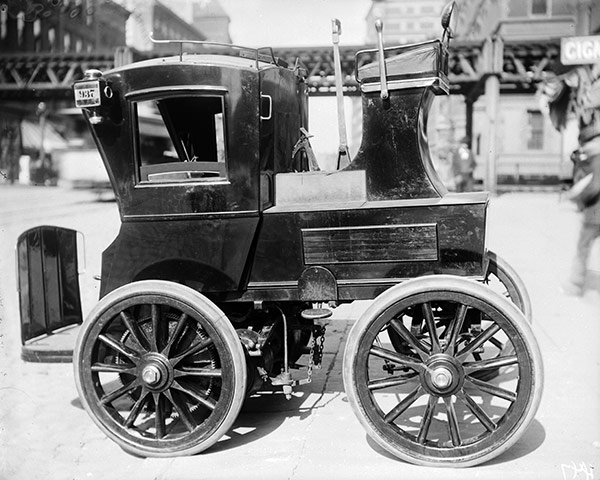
(186, 178)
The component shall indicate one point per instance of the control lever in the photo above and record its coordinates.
(382, 68)
(343, 152)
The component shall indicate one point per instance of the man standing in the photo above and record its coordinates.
(463, 165)
(586, 193)
(578, 92)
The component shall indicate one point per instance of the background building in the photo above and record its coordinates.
(529, 148)
(405, 21)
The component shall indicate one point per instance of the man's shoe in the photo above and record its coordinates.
(571, 289)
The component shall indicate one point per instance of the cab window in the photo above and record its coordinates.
(181, 139)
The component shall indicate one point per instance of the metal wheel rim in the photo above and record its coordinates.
(514, 286)
(415, 446)
(171, 414)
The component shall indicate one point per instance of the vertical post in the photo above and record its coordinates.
(492, 98)
(493, 64)
(469, 120)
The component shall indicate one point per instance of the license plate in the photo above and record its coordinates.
(87, 94)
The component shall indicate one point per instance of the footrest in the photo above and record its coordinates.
(316, 313)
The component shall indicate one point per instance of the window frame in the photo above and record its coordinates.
(535, 136)
(161, 93)
(547, 13)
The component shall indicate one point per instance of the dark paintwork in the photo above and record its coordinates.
(394, 150)
(233, 242)
(48, 280)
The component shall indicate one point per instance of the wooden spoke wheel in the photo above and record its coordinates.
(160, 369)
(427, 405)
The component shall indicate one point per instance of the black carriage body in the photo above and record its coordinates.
(229, 244)
(253, 225)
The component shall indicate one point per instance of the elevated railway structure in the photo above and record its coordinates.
(519, 66)
(492, 67)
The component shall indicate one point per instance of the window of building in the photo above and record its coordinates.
(181, 139)
(52, 38)
(89, 15)
(3, 20)
(20, 27)
(540, 7)
(535, 130)
(37, 35)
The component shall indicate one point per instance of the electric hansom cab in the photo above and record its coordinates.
(234, 248)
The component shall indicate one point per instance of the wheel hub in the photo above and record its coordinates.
(151, 375)
(443, 375)
(155, 372)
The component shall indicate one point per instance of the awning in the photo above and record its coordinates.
(31, 136)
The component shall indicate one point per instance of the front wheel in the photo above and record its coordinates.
(428, 405)
(160, 369)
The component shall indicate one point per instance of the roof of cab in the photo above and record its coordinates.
(249, 62)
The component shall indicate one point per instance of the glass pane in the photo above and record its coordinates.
(182, 139)
(539, 7)
(535, 141)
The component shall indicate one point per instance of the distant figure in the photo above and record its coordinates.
(586, 194)
(463, 165)
(578, 91)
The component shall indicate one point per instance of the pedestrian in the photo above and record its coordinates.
(586, 194)
(463, 166)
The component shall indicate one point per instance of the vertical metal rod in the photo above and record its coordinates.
(336, 27)
(382, 67)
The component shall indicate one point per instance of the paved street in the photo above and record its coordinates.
(45, 434)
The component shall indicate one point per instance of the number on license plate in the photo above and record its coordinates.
(87, 94)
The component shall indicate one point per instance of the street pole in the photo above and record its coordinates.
(492, 97)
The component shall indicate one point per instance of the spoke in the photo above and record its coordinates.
(203, 399)
(497, 343)
(452, 422)
(404, 404)
(478, 341)
(396, 357)
(193, 350)
(390, 381)
(179, 329)
(119, 392)
(455, 327)
(114, 368)
(497, 362)
(483, 417)
(182, 409)
(159, 418)
(429, 320)
(135, 331)
(119, 347)
(198, 372)
(157, 328)
(426, 420)
(421, 349)
(492, 389)
(135, 410)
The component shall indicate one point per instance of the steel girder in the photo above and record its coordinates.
(519, 66)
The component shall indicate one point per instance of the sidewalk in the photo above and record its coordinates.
(44, 432)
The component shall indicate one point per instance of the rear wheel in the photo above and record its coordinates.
(502, 278)
(429, 405)
(160, 369)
